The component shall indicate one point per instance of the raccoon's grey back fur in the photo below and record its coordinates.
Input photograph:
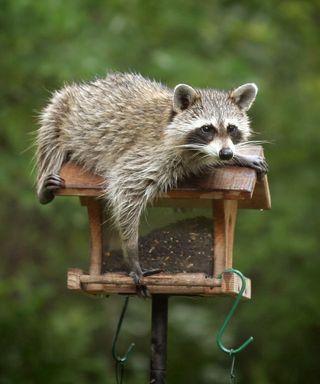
(141, 137)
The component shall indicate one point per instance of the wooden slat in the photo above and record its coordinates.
(228, 183)
(95, 223)
(76, 177)
(261, 198)
(223, 179)
(173, 284)
(224, 214)
(165, 279)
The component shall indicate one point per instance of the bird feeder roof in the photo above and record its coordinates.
(225, 183)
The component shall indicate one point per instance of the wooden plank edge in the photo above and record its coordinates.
(261, 197)
(117, 283)
(161, 279)
(174, 194)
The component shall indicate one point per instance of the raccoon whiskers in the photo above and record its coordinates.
(192, 147)
(251, 143)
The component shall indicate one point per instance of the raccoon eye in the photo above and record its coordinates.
(206, 128)
(232, 128)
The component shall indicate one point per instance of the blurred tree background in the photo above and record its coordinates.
(48, 334)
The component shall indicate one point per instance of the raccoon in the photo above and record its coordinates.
(141, 137)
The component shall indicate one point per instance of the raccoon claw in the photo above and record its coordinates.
(261, 167)
(142, 290)
(50, 185)
(151, 272)
(257, 163)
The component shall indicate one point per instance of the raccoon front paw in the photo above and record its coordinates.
(50, 185)
(260, 165)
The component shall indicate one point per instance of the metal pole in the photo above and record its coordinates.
(158, 362)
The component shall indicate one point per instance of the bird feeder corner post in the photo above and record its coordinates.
(95, 216)
(224, 220)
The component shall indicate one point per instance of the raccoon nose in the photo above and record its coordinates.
(226, 154)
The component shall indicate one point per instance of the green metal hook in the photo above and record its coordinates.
(233, 351)
(117, 358)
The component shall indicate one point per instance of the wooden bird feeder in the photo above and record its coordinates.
(221, 193)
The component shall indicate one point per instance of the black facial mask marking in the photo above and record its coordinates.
(202, 135)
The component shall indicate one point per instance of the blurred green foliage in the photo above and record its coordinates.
(50, 335)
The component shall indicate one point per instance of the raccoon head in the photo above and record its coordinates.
(211, 122)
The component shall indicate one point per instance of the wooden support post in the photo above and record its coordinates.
(158, 362)
(95, 223)
(224, 214)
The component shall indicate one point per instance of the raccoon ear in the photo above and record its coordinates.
(183, 97)
(245, 95)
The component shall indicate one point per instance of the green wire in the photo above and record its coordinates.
(233, 351)
(117, 358)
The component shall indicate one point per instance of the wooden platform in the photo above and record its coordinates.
(222, 190)
(173, 284)
(227, 183)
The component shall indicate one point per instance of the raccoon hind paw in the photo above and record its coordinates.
(51, 184)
